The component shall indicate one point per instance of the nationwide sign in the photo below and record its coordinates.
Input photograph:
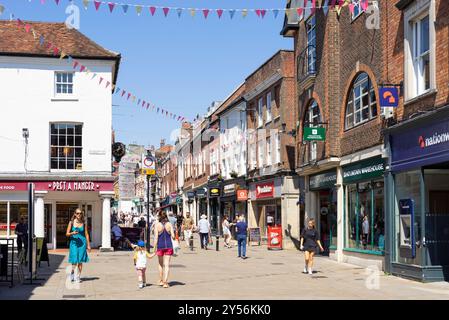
(389, 97)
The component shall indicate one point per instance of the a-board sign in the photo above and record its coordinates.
(254, 235)
(4, 260)
(42, 251)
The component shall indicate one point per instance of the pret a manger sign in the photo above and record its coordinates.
(73, 186)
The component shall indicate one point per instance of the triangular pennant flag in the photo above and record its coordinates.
(258, 12)
(364, 5)
(138, 10)
(107, 84)
(179, 12)
(232, 13)
(87, 72)
(138, 102)
(111, 6)
(129, 96)
(117, 90)
(34, 33)
(101, 80)
(97, 4)
(192, 12)
(93, 76)
(86, 4)
(325, 8)
(166, 10)
(125, 8)
(2, 9)
(123, 92)
(351, 8)
(143, 103)
(57, 2)
(62, 55)
(152, 10)
(157, 110)
(55, 51)
(219, 13)
(205, 13)
(82, 68)
(263, 12)
(27, 28)
(275, 13)
(244, 13)
(134, 99)
(313, 6)
(148, 105)
(75, 64)
(49, 45)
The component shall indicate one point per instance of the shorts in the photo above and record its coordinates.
(164, 252)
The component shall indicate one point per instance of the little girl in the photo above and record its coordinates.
(140, 261)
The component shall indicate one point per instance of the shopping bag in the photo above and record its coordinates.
(176, 247)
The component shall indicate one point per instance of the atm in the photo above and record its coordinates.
(407, 240)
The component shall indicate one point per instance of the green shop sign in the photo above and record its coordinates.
(324, 180)
(314, 134)
(364, 170)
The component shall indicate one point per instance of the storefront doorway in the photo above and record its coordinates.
(437, 224)
(64, 212)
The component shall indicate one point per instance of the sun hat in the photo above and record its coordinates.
(203, 216)
(140, 243)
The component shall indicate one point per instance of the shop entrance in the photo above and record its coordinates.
(64, 212)
(437, 225)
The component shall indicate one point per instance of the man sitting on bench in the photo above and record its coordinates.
(117, 236)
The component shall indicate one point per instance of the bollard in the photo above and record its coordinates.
(191, 242)
(218, 244)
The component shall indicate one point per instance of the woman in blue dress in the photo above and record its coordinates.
(79, 243)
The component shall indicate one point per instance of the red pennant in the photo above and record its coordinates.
(364, 5)
(97, 4)
(258, 12)
(299, 10)
(205, 13)
(129, 95)
(166, 10)
(75, 64)
(313, 6)
(27, 28)
(351, 8)
(82, 68)
(111, 6)
(55, 51)
(152, 10)
(220, 13)
(263, 12)
(123, 92)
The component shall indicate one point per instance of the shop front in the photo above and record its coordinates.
(170, 203)
(231, 206)
(201, 201)
(323, 207)
(417, 198)
(363, 210)
(55, 203)
(213, 200)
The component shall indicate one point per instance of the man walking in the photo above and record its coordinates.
(22, 235)
(187, 228)
(204, 230)
(241, 229)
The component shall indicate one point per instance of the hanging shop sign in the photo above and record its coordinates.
(265, 190)
(421, 145)
(326, 180)
(191, 195)
(201, 193)
(364, 170)
(314, 134)
(214, 192)
(242, 195)
(389, 97)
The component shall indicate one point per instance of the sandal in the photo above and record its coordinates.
(161, 283)
(166, 285)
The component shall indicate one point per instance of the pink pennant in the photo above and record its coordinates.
(107, 84)
(129, 95)
(313, 6)
(97, 4)
(27, 28)
(351, 8)
(55, 51)
(258, 12)
(101, 80)
(333, 2)
(166, 10)
(263, 12)
(220, 13)
(82, 68)
(111, 6)
(364, 5)
(299, 10)
(205, 13)
(152, 10)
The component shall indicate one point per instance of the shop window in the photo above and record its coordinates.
(66, 146)
(3, 219)
(16, 212)
(362, 104)
(365, 216)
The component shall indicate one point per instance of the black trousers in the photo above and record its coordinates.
(204, 238)
(22, 241)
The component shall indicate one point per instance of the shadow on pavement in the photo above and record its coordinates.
(89, 279)
(176, 283)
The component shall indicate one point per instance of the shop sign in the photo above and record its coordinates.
(364, 170)
(323, 180)
(201, 193)
(242, 195)
(191, 195)
(229, 189)
(314, 134)
(13, 186)
(73, 186)
(422, 146)
(214, 192)
(265, 190)
(389, 97)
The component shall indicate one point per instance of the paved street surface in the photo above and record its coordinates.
(220, 275)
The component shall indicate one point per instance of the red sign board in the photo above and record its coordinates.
(274, 238)
(265, 190)
(242, 195)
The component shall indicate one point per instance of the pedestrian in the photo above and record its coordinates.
(21, 231)
(117, 236)
(172, 219)
(179, 220)
(135, 221)
(365, 231)
(204, 230)
(164, 236)
(226, 231)
(310, 242)
(140, 262)
(79, 243)
(187, 228)
(241, 229)
(142, 223)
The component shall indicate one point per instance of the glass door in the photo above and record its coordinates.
(64, 212)
(48, 223)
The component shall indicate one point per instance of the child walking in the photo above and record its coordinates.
(140, 261)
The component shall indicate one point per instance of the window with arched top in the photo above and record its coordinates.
(313, 120)
(362, 103)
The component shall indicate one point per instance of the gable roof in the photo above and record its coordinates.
(14, 42)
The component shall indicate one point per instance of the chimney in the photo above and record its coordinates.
(162, 142)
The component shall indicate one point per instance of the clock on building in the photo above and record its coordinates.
(118, 151)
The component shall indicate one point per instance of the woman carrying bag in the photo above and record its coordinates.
(310, 242)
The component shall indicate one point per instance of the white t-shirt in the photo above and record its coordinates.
(203, 226)
(141, 261)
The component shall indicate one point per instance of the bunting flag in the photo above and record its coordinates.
(138, 10)
(85, 4)
(111, 6)
(275, 13)
(192, 12)
(97, 4)
(166, 11)
(231, 13)
(179, 12)
(125, 8)
(219, 13)
(57, 2)
(152, 10)
(205, 13)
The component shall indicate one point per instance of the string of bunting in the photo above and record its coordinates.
(78, 66)
(308, 5)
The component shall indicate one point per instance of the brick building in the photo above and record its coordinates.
(166, 170)
(273, 185)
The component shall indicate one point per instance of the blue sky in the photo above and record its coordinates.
(181, 65)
